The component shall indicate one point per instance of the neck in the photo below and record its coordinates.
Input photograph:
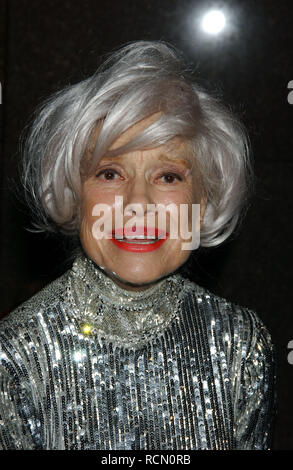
(107, 310)
(129, 286)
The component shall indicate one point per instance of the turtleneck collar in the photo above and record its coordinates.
(130, 318)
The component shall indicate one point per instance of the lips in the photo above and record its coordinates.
(139, 233)
(143, 239)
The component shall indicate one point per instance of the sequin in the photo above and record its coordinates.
(87, 365)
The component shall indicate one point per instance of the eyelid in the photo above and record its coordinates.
(100, 170)
(175, 170)
(108, 165)
(183, 172)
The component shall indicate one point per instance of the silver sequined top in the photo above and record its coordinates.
(86, 364)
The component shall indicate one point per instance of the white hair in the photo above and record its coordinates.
(140, 79)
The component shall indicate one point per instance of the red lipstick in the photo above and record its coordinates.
(150, 239)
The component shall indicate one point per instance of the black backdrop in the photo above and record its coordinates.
(48, 44)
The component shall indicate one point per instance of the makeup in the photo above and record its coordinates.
(140, 240)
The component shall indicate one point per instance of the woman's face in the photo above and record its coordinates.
(162, 175)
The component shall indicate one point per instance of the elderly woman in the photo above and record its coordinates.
(123, 351)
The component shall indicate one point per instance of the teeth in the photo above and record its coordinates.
(137, 237)
(141, 241)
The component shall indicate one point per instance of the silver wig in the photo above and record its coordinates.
(140, 79)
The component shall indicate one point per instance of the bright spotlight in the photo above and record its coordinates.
(213, 22)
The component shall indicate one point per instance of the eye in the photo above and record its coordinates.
(108, 174)
(170, 178)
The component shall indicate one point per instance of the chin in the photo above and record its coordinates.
(136, 275)
(138, 278)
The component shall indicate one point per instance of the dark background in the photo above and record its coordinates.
(50, 43)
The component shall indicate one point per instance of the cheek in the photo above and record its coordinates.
(86, 214)
(92, 197)
(186, 196)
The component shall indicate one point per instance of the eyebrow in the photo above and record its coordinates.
(174, 159)
(187, 162)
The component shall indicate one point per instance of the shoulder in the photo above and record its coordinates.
(22, 329)
(47, 297)
(237, 325)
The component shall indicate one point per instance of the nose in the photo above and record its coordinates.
(139, 195)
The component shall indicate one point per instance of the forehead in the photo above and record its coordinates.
(174, 150)
(178, 153)
(134, 130)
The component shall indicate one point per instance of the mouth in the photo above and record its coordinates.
(141, 241)
(144, 240)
